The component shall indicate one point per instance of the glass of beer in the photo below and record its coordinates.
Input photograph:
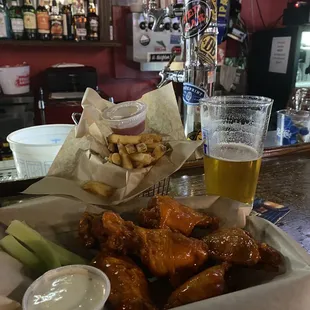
(234, 129)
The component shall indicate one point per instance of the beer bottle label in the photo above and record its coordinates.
(30, 20)
(43, 22)
(81, 32)
(3, 31)
(56, 28)
(93, 23)
(192, 94)
(17, 25)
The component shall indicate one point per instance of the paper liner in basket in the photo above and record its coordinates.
(77, 162)
(57, 220)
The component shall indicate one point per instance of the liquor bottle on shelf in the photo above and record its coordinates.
(73, 7)
(30, 22)
(17, 21)
(47, 5)
(80, 20)
(56, 22)
(67, 21)
(43, 22)
(92, 22)
(5, 29)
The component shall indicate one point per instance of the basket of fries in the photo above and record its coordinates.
(100, 167)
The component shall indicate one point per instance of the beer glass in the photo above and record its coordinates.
(234, 129)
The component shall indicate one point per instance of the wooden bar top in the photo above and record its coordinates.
(285, 180)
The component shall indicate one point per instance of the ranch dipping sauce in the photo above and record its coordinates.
(75, 287)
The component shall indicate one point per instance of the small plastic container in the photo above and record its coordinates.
(293, 127)
(127, 118)
(58, 299)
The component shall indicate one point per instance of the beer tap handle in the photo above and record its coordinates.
(171, 60)
(164, 73)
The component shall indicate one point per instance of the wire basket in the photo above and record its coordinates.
(160, 188)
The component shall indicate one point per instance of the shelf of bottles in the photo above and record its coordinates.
(56, 23)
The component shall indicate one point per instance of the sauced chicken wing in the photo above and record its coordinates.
(129, 287)
(270, 257)
(233, 245)
(165, 212)
(163, 251)
(209, 283)
(91, 229)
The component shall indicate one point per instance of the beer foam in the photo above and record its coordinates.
(237, 152)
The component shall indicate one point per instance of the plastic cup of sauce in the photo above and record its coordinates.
(66, 288)
(127, 118)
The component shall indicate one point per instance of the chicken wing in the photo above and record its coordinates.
(209, 283)
(91, 229)
(163, 251)
(165, 212)
(271, 259)
(233, 245)
(129, 287)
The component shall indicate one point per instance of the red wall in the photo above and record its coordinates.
(40, 58)
(117, 76)
(271, 11)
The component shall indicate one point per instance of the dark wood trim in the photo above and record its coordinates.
(287, 150)
(105, 12)
(268, 153)
(107, 43)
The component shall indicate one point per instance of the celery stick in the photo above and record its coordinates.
(35, 242)
(66, 257)
(18, 251)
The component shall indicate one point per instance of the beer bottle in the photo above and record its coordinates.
(30, 22)
(92, 22)
(80, 20)
(56, 22)
(5, 29)
(17, 22)
(43, 22)
(67, 21)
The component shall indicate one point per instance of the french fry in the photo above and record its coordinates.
(159, 151)
(98, 188)
(153, 145)
(141, 148)
(112, 147)
(130, 148)
(114, 138)
(137, 165)
(148, 137)
(121, 149)
(116, 159)
(126, 161)
(145, 159)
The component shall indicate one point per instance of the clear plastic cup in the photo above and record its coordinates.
(57, 296)
(293, 127)
(234, 129)
(127, 118)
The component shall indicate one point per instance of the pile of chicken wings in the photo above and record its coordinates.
(161, 249)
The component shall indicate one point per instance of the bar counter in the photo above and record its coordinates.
(284, 179)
